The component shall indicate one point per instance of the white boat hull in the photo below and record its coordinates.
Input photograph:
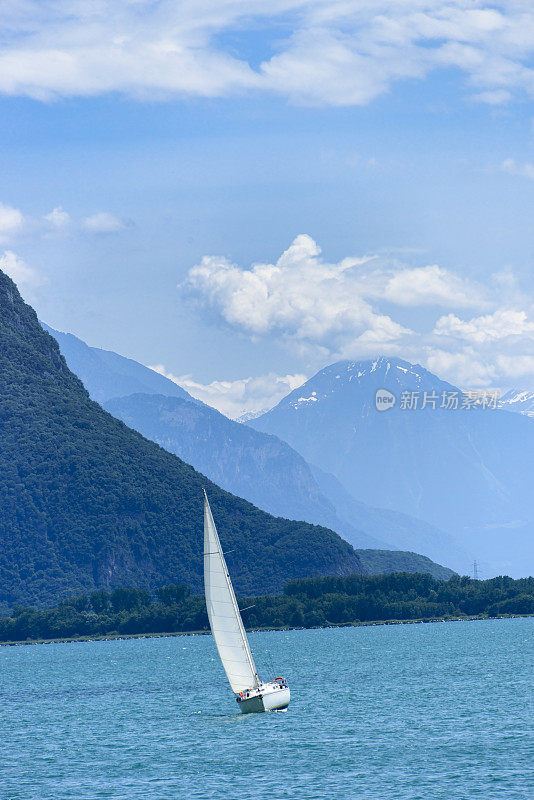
(269, 697)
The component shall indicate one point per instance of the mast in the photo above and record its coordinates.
(223, 612)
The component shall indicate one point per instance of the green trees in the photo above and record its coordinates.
(169, 595)
(88, 504)
(303, 603)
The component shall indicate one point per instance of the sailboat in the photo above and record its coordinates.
(227, 628)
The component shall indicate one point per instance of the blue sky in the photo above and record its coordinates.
(182, 143)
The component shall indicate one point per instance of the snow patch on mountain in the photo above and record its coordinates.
(522, 402)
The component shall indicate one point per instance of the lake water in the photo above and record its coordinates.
(378, 713)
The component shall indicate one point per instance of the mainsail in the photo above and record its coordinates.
(223, 612)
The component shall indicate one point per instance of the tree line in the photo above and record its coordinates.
(304, 603)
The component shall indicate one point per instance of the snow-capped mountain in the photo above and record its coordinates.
(398, 437)
(253, 465)
(519, 401)
(350, 380)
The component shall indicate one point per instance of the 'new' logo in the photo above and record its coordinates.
(384, 400)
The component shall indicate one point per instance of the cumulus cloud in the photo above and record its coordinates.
(326, 311)
(58, 218)
(18, 270)
(479, 366)
(467, 368)
(238, 397)
(472, 368)
(102, 222)
(301, 299)
(335, 53)
(496, 348)
(516, 367)
(490, 327)
(524, 170)
(11, 222)
(431, 285)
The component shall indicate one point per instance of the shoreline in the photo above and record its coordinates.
(370, 623)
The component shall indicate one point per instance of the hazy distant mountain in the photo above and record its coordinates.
(251, 464)
(520, 401)
(269, 473)
(257, 466)
(398, 531)
(469, 471)
(248, 415)
(106, 374)
(85, 502)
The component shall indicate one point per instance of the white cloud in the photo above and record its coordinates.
(326, 311)
(490, 327)
(58, 218)
(431, 285)
(102, 222)
(339, 53)
(301, 299)
(11, 222)
(466, 369)
(325, 66)
(491, 350)
(517, 366)
(238, 397)
(18, 270)
(524, 170)
(494, 97)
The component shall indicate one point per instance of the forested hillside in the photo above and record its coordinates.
(86, 503)
(248, 463)
(380, 562)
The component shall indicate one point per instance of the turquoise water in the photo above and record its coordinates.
(378, 713)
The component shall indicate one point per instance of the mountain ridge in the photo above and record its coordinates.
(88, 503)
(465, 470)
(106, 374)
(264, 470)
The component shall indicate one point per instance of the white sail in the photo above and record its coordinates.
(223, 612)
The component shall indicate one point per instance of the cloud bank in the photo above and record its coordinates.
(235, 398)
(11, 222)
(301, 298)
(19, 271)
(331, 53)
(326, 311)
(58, 218)
(102, 222)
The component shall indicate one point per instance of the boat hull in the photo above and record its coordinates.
(268, 700)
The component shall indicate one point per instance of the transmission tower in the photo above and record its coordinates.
(475, 571)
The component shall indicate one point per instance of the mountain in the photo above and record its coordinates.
(380, 562)
(106, 374)
(87, 503)
(519, 401)
(248, 415)
(257, 466)
(467, 471)
(396, 530)
(269, 473)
